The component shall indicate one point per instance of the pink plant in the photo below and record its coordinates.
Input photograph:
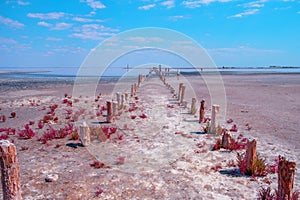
(143, 116)
(120, 160)
(112, 130)
(96, 164)
(40, 124)
(27, 133)
(234, 128)
(31, 123)
(24, 148)
(170, 106)
(13, 114)
(133, 116)
(98, 192)
(229, 121)
(4, 137)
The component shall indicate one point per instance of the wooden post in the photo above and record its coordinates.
(134, 87)
(126, 96)
(132, 91)
(122, 101)
(202, 111)
(193, 106)
(179, 90)
(250, 156)
(115, 108)
(182, 94)
(226, 140)
(286, 175)
(214, 119)
(109, 116)
(139, 81)
(119, 100)
(10, 171)
(85, 135)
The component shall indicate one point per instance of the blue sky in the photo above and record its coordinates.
(47, 34)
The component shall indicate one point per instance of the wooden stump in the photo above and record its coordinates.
(115, 108)
(126, 96)
(85, 135)
(214, 119)
(193, 106)
(132, 91)
(226, 140)
(250, 156)
(286, 175)
(134, 87)
(139, 81)
(122, 101)
(179, 90)
(10, 171)
(109, 116)
(182, 94)
(202, 111)
(118, 99)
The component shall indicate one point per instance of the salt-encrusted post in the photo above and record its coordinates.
(10, 171)
(193, 106)
(179, 90)
(134, 87)
(126, 96)
(182, 94)
(286, 175)
(109, 116)
(139, 80)
(115, 108)
(119, 100)
(214, 119)
(85, 134)
(226, 140)
(250, 156)
(202, 111)
(122, 101)
(132, 91)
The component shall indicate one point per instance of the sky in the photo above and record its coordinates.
(60, 34)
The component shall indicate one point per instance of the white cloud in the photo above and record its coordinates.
(93, 32)
(51, 15)
(7, 41)
(45, 24)
(62, 26)
(23, 3)
(80, 19)
(94, 4)
(147, 7)
(168, 4)
(10, 22)
(53, 39)
(177, 17)
(245, 13)
(255, 4)
(198, 3)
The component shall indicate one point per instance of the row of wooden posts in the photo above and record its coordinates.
(10, 169)
(286, 169)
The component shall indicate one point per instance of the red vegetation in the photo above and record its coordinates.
(96, 164)
(3, 118)
(40, 125)
(234, 128)
(24, 148)
(132, 116)
(229, 121)
(27, 133)
(31, 123)
(120, 160)
(13, 114)
(143, 116)
(170, 106)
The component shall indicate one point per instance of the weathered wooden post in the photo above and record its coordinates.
(182, 94)
(139, 81)
(179, 90)
(214, 119)
(202, 111)
(85, 134)
(119, 100)
(122, 101)
(126, 96)
(115, 108)
(10, 171)
(193, 106)
(132, 91)
(109, 116)
(134, 86)
(286, 175)
(250, 156)
(226, 140)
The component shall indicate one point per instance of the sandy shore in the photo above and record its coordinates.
(147, 159)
